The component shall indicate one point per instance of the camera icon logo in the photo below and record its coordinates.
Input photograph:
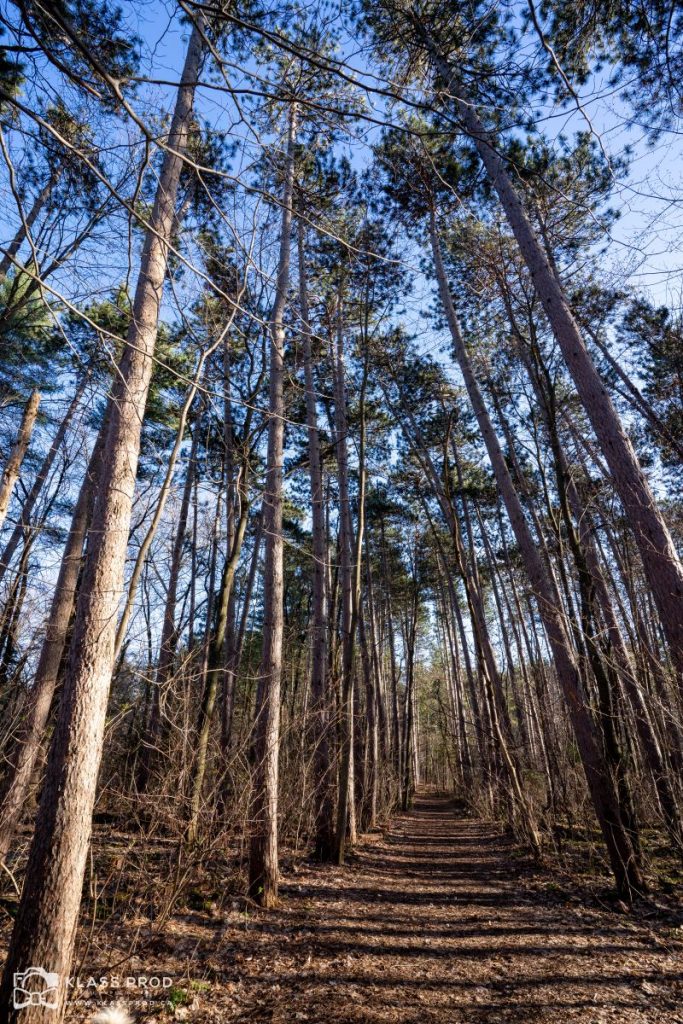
(36, 987)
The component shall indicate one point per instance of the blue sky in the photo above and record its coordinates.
(645, 245)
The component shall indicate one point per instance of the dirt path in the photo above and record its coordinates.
(436, 920)
(428, 925)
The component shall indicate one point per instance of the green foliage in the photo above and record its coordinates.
(656, 334)
(11, 70)
(27, 333)
(178, 996)
(469, 36)
(96, 337)
(640, 42)
(77, 33)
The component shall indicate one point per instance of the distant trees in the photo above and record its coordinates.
(352, 470)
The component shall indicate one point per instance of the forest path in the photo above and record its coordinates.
(436, 920)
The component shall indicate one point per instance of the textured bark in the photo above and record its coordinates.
(356, 593)
(359, 760)
(662, 566)
(45, 927)
(263, 855)
(169, 633)
(324, 822)
(620, 850)
(595, 594)
(24, 522)
(606, 680)
(27, 743)
(346, 578)
(10, 473)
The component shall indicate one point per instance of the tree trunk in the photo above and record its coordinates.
(45, 927)
(216, 660)
(346, 580)
(368, 816)
(263, 857)
(595, 595)
(395, 730)
(169, 633)
(500, 731)
(9, 632)
(324, 808)
(621, 854)
(162, 497)
(10, 474)
(662, 566)
(228, 652)
(408, 774)
(28, 740)
(29, 504)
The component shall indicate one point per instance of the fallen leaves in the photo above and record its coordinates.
(426, 926)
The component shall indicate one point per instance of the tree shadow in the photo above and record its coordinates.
(432, 925)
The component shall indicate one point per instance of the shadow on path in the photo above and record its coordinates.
(437, 921)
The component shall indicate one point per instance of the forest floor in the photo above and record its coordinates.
(437, 919)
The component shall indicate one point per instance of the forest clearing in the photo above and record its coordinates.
(341, 448)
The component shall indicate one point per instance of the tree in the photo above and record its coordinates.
(263, 858)
(660, 559)
(44, 930)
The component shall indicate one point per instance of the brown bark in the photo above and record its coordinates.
(596, 597)
(408, 774)
(45, 927)
(346, 794)
(662, 566)
(10, 473)
(618, 844)
(27, 743)
(324, 823)
(263, 858)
